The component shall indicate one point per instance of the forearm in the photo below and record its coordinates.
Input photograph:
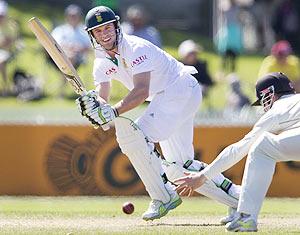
(103, 91)
(133, 99)
(228, 157)
(137, 95)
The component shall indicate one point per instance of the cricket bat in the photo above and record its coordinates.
(59, 57)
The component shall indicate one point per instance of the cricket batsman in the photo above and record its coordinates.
(150, 74)
(274, 138)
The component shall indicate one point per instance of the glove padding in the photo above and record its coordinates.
(97, 113)
(102, 114)
(87, 102)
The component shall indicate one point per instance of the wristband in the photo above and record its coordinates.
(115, 111)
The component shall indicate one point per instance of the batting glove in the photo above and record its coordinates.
(87, 102)
(102, 114)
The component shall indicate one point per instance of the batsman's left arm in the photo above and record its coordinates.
(103, 91)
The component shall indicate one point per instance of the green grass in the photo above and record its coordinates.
(103, 215)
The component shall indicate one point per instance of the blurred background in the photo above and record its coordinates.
(47, 148)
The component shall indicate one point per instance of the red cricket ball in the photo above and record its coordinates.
(128, 208)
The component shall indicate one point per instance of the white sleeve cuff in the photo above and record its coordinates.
(208, 173)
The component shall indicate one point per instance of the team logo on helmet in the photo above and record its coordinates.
(98, 17)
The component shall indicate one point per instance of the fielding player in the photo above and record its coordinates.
(274, 138)
(149, 74)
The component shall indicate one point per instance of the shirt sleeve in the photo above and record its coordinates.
(235, 152)
(99, 72)
(141, 59)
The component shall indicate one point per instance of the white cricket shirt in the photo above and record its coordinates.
(137, 55)
(284, 115)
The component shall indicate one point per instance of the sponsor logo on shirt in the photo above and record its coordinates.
(112, 70)
(139, 60)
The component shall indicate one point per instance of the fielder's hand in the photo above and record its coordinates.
(186, 185)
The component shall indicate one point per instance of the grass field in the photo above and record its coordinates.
(103, 215)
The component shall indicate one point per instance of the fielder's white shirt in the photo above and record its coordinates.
(137, 55)
(284, 115)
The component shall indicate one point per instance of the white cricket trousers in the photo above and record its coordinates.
(260, 167)
(169, 119)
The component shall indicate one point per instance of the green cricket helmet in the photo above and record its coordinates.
(99, 16)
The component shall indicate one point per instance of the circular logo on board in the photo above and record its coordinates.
(94, 167)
